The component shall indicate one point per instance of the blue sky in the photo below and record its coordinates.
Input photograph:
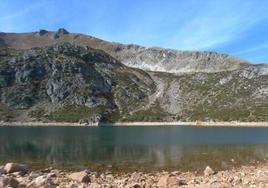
(236, 27)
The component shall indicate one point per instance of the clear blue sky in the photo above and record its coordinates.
(237, 27)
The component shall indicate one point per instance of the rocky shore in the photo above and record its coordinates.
(174, 123)
(18, 175)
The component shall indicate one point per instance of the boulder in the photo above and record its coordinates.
(8, 182)
(167, 181)
(208, 171)
(79, 177)
(14, 167)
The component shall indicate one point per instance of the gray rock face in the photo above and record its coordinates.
(173, 61)
(254, 71)
(93, 120)
(67, 74)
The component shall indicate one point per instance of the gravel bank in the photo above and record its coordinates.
(16, 175)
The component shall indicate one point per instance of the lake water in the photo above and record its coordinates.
(133, 148)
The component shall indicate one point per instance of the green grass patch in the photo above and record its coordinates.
(73, 113)
(37, 114)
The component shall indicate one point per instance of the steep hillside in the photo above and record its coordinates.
(224, 96)
(65, 82)
(60, 76)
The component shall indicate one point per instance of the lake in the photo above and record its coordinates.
(133, 148)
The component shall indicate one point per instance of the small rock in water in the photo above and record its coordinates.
(208, 171)
(79, 176)
(8, 182)
(14, 167)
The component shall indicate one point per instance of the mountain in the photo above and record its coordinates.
(62, 76)
(149, 59)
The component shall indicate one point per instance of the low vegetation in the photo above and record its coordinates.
(73, 113)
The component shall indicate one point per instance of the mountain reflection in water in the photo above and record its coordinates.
(185, 148)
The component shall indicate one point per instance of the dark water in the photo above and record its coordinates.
(133, 148)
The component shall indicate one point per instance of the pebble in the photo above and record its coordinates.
(245, 176)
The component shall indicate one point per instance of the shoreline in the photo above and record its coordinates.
(17, 175)
(136, 124)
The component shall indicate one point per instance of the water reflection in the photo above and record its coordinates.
(135, 147)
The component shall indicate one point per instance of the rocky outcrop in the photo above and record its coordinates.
(94, 120)
(42, 32)
(66, 74)
(173, 61)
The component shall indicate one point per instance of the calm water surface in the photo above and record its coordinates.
(171, 147)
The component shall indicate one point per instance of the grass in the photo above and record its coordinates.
(73, 113)
(6, 114)
(154, 113)
(37, 114)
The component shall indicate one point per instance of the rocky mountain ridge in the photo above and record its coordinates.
(149, 59)
(61, 76)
